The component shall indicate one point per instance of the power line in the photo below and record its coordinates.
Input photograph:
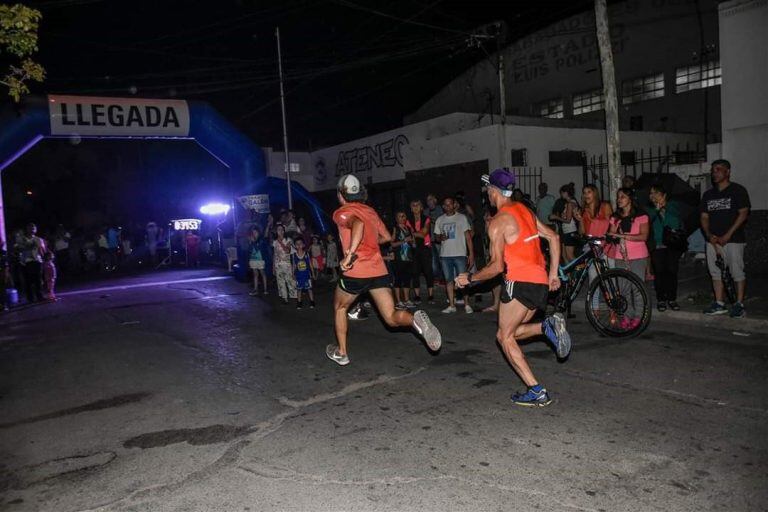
(352, 5)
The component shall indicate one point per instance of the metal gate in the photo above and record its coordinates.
(636, 162)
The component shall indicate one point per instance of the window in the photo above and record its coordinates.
(519, 158)
(699, 76)
(567, 158)
(550, 108)
(589, 101)
(644, 88)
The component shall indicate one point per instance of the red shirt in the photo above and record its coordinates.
(369, 262)
(418, 226)
(523, 258)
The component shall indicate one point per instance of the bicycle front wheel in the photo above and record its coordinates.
(617, 304)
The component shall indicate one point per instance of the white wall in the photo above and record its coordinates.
(744, 61)
(459, 138)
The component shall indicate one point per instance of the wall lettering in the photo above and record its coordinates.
(384, 154)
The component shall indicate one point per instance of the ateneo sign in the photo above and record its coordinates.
(116, 117)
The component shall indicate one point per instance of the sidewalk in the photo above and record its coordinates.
(695, 294)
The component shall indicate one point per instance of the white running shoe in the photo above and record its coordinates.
(468, 309)
(450, 309)
(427, 330)
(400, 306)
(408, 304)
(332, 351)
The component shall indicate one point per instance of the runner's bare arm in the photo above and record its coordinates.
(496, 264)
(553, 240)
(357, 227)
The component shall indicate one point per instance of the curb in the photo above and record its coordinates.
(718, 321)
(746, 324)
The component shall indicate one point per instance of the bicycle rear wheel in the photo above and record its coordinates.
(617, 304)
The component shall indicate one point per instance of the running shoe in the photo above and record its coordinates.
(532, 398)
(332, 351)
(738, 311)
(400, 306)
(427, 330)
(408, 304)
(554, 329)
(253, 293)
(431, 300)
(716, 309)
(357, 313)
(661, 306)
(449, 309)
(674, 306)
(468, 309)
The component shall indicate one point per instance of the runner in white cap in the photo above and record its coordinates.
(363, 270)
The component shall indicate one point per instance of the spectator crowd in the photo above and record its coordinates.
(432, 242)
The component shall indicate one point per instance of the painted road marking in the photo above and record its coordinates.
(140, 285)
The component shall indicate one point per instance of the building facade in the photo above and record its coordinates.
(666, 55)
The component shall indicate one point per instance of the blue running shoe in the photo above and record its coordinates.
(737, 310)
(553, 328)
(533, 397)
(716, 309)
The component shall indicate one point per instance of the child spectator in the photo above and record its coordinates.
(302, 271)
(49, 276)
(332, 257)
(256, 261)
(281, 264)
(316, 255)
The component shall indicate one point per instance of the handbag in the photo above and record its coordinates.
(675, 239)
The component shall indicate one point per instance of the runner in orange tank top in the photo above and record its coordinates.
(363, 270)
(516, 251)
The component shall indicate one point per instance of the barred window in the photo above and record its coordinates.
(699, 76)
(551, 108)
(643, 88)
(519, 157)
(589, 101)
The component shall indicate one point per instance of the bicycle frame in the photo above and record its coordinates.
(572, 283)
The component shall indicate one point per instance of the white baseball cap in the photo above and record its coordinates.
(349, 185)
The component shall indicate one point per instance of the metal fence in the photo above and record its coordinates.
(527, 179)
(645, 160)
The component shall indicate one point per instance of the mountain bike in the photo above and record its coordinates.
(617, 302)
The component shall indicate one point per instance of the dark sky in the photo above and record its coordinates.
(353, 68)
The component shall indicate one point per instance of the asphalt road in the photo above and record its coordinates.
(193, 396)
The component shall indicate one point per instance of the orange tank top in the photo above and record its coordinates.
(523, 258)
(369, 261)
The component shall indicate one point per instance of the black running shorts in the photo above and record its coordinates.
(530, 295)
(360, 285)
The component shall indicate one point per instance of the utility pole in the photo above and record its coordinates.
(285, 126)
(612, 142)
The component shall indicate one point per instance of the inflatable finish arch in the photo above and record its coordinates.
(136, 118)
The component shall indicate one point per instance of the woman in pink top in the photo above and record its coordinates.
(631, 227)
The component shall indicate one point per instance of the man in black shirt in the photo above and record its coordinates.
(724, 211)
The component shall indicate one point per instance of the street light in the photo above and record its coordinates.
(215, 209)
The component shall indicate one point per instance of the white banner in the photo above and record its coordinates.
(84, 115)
(257, 202)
